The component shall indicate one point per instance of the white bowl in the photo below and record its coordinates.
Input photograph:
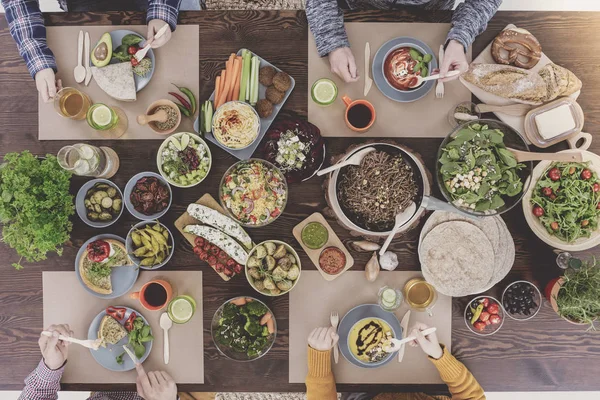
(199, 140)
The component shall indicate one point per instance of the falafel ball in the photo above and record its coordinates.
(265, 75)
(282, 81)
(273, 95)
(264, 108)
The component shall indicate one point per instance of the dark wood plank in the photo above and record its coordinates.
(543, 354)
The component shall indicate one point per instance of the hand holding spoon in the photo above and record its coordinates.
(395, 344)
(420, 79)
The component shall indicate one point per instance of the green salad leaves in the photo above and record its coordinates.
(239, 328)
(35, 205)
(565, 200)
(478, 170)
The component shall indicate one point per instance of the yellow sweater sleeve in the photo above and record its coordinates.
(320, 383)
(461, 383)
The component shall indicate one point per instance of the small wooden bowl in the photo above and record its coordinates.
(163, 102)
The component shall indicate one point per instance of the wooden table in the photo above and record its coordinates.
(543, 354)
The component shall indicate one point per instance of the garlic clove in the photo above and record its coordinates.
(372, 268)
(388, 261)
(364, 246)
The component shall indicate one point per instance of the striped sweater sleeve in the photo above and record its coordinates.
(470, 19)
(326, 21)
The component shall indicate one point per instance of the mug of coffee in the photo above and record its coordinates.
(360, 114)
(420, 295)
(154, 295)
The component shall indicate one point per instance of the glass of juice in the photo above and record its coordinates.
(181, 309)
(420, 295)
(111, 122)
(72, 103)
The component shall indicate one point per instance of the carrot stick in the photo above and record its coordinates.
(217, 89)
(228, 84)
(218, 99)
(235, 88)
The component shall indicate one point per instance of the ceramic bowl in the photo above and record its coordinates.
(130, 246)
(165, 143)
(289, 249)
(82, 210)
(129, 189)
(151, 110)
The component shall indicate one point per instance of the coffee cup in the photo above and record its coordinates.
(360, 114)
(154, 295)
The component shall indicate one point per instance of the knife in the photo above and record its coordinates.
(404, 325)
(368, 80)
(86, 55)
(131, 355)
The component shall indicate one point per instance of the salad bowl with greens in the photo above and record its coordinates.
(477, 172)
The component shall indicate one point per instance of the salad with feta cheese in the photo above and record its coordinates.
(296, 148)
(184, 160)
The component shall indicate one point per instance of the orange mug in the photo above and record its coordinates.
(360, 114)
(154, 295)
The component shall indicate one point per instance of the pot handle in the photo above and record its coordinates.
(433, 204)
(347, 100)
(587, 141)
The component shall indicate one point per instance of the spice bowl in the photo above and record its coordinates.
(176, 117)
(522, 300)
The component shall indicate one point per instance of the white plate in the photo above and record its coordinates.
(537, 227)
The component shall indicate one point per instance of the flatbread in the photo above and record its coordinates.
(457, 258)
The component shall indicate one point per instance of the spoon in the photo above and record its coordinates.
(522, 156)
(79, 70)
(90, 344)
(159, 116)
(166, 324)
(354, 160)
(420, 79)
(401, 219)
(141, 53)
(396, 344)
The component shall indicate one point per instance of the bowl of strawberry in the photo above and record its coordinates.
(217, 258)
(484, 315)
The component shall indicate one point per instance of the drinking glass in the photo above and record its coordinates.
(110, 122)
(72, 103)
(87, 160)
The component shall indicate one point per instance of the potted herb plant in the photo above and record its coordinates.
(576, 295)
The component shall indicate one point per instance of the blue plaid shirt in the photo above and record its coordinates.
(26, 25)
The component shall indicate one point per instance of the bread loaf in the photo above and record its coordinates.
(517, 84)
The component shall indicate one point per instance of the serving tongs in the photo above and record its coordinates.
(396, 344)
(90, 344)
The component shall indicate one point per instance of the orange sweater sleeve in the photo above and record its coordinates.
(320, 383)
(461, 383)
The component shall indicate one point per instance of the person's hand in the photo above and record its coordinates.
(429, 344)
(454, 60)
(156, 385)
(153, 28)
(47, 84)
(343, 64)
(323, 339)
(55, 351)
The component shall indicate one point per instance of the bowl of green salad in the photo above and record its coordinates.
(477, 171)
(184, 159)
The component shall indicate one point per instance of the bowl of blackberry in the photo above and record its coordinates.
(522, 300)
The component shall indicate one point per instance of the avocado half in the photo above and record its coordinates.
(102, 52)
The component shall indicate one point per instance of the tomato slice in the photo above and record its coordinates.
(129, 323)
(117, 313)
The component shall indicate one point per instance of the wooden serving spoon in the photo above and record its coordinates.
(159, 116)
(523, 156)
(90, 344)
(516, 110)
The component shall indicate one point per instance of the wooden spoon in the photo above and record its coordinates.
(516, 110)
(523, 156)
(159, 116)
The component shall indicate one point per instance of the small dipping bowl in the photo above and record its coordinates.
(151, 110)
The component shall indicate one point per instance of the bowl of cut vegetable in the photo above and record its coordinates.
(562, 204)
(243, 329)
(99, 203)
(184, 159)
(476, 170)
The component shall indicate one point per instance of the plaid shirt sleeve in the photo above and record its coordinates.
(42, 384)
(167, 10)
(26, 25)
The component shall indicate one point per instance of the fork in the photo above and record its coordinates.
(439, 88)
(334, 318)
(90, 344)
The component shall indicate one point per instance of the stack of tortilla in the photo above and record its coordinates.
(461, 256)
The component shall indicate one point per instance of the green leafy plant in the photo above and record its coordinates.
(35, 205)
(578, 298)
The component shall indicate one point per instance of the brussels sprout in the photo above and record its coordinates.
(255, 273)
(284, 263)
(93, 216)
(276, 291)
(105, 216)
(292, 258)
(270, 261)
(293, 273)
(271, 247)
(116, 205)
(279, 274)
(107, 202)
(280, 252)
(259, 285)
(284, 285)
(269, 284)
(260, 252)
(111, 192)
(253, 262)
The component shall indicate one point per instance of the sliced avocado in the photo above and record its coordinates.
(102, 52)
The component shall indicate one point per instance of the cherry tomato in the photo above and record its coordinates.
(554, 226)
(495, 319)
(598, 206)
(554, 174)
(596, 187)
(585, 223)
(488, 322)
(552, 197)
(539, 211)
(547, 191)
(586, 174)
(132, 50)
(484, 316)
(485, 302)
(134, 62)
(480, 326)
(493, 309)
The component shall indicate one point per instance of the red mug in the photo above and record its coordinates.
(144, 295)
(352, 103)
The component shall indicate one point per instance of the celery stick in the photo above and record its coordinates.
(208, 117)
(248, 69)
(255, 84)
(201, 116)
(245, 76)
(252, 84)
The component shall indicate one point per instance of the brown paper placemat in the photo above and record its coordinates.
(178, 62)
(309, 311)
(427, 117)
(79, 308)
